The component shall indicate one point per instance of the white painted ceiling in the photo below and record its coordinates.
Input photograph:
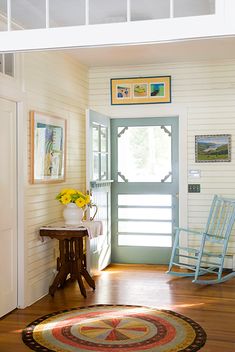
(191, 50)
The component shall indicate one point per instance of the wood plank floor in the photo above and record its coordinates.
(213, 307)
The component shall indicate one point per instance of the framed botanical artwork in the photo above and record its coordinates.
(140, 90)
(213, 148)
(48, 148)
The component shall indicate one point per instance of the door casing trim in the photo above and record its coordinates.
(11, 89)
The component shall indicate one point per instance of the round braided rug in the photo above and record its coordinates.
(114, 328)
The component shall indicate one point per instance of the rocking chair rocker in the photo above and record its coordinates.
(209, 257)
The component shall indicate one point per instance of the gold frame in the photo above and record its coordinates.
(48, 158)
(140, 90)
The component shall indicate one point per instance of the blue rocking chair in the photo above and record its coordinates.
(209, 257)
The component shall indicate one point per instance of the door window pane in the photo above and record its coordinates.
(66, 13)
(103, 166)
(149, 9)
(145, 199)
(147, 153)
(95, 173)
(95, 138)
(183, 8)
(144, 241)
(145, 227)
(9, 64)
(145, 213)
(28, 14)
(107, 11)
(103, 137)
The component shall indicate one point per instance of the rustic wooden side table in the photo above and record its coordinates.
(71, 259)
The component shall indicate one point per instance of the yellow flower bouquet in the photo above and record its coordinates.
(67, 196)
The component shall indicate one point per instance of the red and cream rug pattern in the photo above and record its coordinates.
(114, 328)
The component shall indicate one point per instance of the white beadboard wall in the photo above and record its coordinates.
(207, 90)
(57, 85)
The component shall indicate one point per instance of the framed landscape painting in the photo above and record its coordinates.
(213, 148)
(141, 90)
(48, 146)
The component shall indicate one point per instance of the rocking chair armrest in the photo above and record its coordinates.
(189, 231)
(216, 238)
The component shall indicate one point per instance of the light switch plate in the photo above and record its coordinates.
(194, 173)
(194, 188)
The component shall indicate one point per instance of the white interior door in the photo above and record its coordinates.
(99, 184)
(8, 206)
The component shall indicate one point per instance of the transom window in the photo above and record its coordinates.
(32, 14)
(7, 64)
